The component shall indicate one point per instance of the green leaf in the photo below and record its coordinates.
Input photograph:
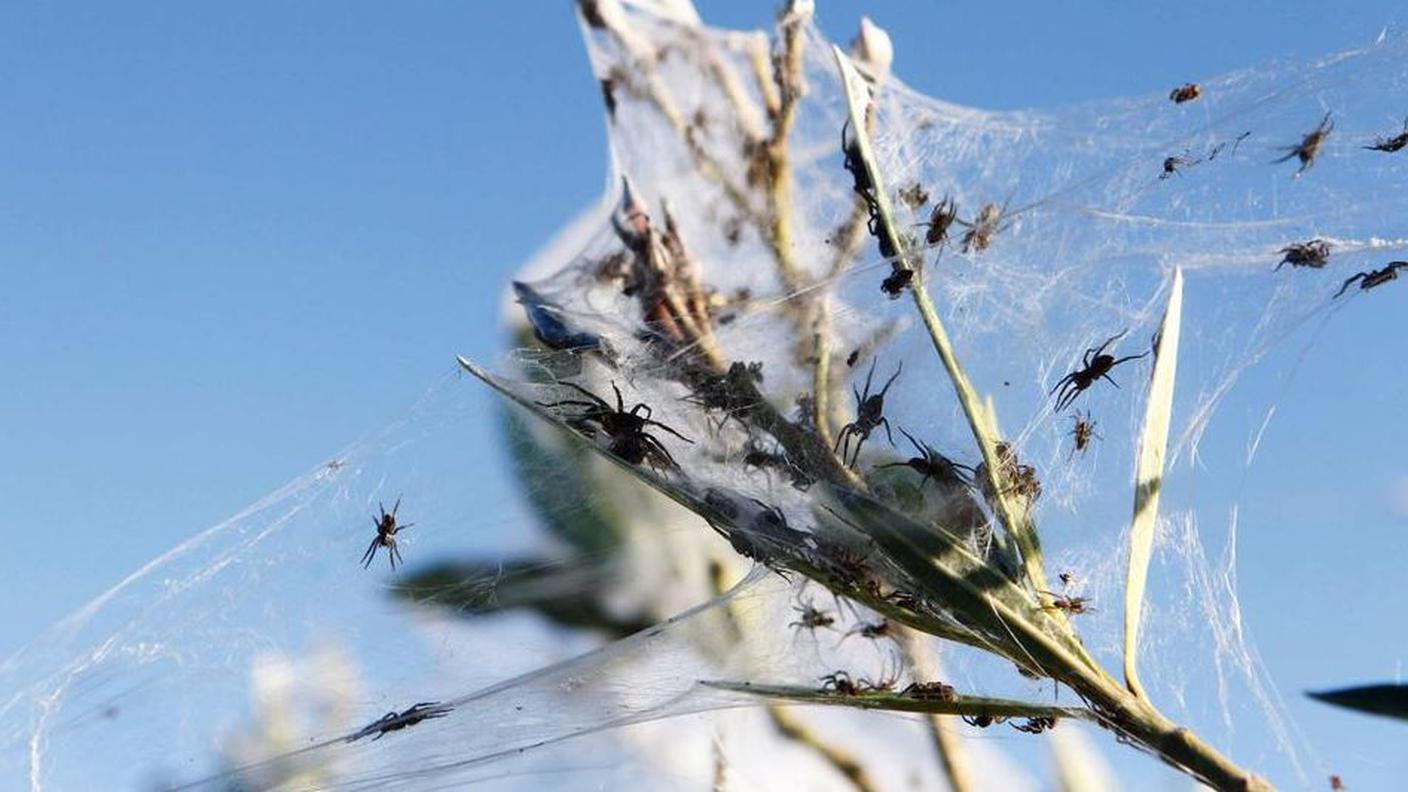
(1149, 476)
(1388, 700)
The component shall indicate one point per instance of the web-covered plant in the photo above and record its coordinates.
(838, 382)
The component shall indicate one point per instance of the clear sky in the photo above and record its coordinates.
(233, 238)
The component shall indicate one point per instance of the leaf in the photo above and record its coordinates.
(1149, 475)
(1388, 700)
(898, 702)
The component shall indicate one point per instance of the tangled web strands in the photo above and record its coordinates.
(247, 656)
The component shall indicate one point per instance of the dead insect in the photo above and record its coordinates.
(1372, 278)
(1095, 365)
(1072, 605)
(1083, 431)
(943, 216)
(983, 721)
(386, 530)
(394, 721)
(1391, 144)
(1066, 578)
(1172, 165)
(1314, 254)
(811, 617)
(1186, 92)
(1036, 725)
(914, 195)
(932, 465)
(1309, 146)
(983, 228)
(897, 281)
(930, 691)
(877, 630)
(626, 429)
(870, 414)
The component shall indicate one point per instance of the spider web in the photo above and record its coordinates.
(570, 637)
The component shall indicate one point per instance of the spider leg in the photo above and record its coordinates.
(395, 554)
(620, 402)
(885, 422)
(868, 375)
(891, 380)
(596, 400)
(655, 445)
(1347, 282)
(401, 528)
(642, 406)
(370, 554)
(917, 447)
(396, 506)
(671, 431)
(572, 403)
(1060, 382)
(1106, 376)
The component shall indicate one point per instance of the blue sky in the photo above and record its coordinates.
(234, 238)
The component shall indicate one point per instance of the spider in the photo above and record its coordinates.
(627, 429)
(870, 413)
(880, 629)
(942, 217)
(1016, 477)
(840, 682)
(1036, 725)
(1309, 146)
(897, 281)
(1095, 365)
(1314, 254)
(914, 195)
(932, 465)
(930, 691)
(1083, 431)
(983, 721)
(1186, 92)
(811, 617)
(386, 530)
(1391, 144)
(1372, 278)
(983, 228)
(394, 721)
(1072, 605)
(1337, 783)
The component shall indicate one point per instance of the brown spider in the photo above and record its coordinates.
(1372, 278)
(626, 429)
(1072, 605)
(1314, 254)
(932, 465)
(386, 530)
(897, 281)
(1337, 783)
(1036, 725)
(394, 721)
(811, 618)
(840, 682)
(1095, 365)
(1391, 144)
(880, 629)
(1083, 432)
(983, 721)
(915, 196)
(870, 414)
(1016, 477)
(930, 691)
(1186, 92)
(1309, 146)
(983, 228)
(943, 216)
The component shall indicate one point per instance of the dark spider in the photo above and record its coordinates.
(896, 282)
(1036, 725)
(394, 721)
(983, 228)
(1372, 278)
(932, 465)
(1083, 431)
(840, 682)
(983, 721)
(1314, 254)
(1072, 605)
(930, 691)
(1095, 365)
(811, 617)
(943, 216)
(1309, 146)
(386, 530)
(870, 413)
(1391, 144)
(1066, 578)
(1337, 783)
(1186, 92)
(629, 440)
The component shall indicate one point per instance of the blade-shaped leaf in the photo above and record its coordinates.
(974, 706)
(1149, 476)
(1387, 700)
